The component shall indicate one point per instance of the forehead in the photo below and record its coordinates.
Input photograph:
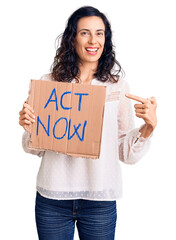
(92, 23)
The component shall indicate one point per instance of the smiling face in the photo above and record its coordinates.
(90, 39)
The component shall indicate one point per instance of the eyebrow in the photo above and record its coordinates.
(84, 29)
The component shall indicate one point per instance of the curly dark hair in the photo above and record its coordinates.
(65, 65)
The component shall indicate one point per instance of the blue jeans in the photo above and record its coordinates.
(55, 219)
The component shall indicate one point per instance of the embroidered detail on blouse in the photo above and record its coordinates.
(94, 195)
(113, 96)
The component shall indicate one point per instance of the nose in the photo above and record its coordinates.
(92, 39)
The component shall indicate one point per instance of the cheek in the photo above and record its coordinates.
(79, 47)
(102, 43)
(102, 46)
(79, 50)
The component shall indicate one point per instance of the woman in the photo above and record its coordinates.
(86, 190)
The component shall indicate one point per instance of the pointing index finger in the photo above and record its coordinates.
(136, 98)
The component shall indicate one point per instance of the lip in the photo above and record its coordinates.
(91, 47)
(93, 53)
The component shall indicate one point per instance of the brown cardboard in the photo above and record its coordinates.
(61, 108)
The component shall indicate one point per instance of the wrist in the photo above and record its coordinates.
(146, 130)
(150, 127)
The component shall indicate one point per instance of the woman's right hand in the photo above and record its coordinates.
(27, 116)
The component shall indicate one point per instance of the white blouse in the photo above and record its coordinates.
(64, 177)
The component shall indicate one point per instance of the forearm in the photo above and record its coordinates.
(132, 147)
(27, 149)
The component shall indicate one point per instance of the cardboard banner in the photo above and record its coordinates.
(69, 117)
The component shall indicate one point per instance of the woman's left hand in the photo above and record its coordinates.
(145, 110)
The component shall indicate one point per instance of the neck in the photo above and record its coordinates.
(87, 71)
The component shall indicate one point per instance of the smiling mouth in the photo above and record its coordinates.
(92, 51)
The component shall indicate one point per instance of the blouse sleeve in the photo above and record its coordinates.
(132, 147)
(26, 134)
(25, 143)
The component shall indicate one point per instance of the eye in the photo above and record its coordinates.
(100, 33)
(84, 33)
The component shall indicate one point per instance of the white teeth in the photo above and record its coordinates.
(92, 49)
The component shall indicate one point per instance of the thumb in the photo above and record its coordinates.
(153, 100)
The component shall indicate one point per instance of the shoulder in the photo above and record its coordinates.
(120, 85)
(115, 91)
(47, 77)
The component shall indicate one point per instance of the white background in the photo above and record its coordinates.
(144, 35)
